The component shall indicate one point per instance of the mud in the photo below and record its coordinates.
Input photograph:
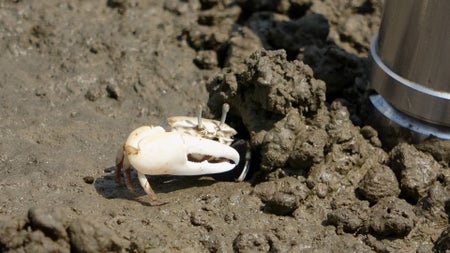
(78, 77)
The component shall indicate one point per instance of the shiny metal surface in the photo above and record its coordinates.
(411, 58)
(399, 126)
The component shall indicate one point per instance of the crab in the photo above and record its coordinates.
(193, 146)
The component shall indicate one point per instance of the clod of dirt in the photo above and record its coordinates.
(181, 7)
(41, 232)
(294, 35)
(41, 219)
(435, 205)
(206, 59)
(339, 69)
(372, 135)
(12, 233)
(214, 243)
(278, 142)
(88, 236)
(251, 241)
(355, 27)
(273, 97)
(348, 155)
(271, 83)
(36, 241)
(350, 216)
(282, 203)
(392, 217)
(241, 45)
(439, 149)
(309, 147)
(378, 182)
(280, 85)
(282, 197)
(206, 38)
(442, 244)
(415, 170)
(89, 179)
(217, 15)
(93, 93)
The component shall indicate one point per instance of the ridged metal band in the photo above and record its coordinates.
(407, 96)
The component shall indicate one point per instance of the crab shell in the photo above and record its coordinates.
(153, 151)
(211, 129)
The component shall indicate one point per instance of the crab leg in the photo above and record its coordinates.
(127, 167)
(122, 162)
(147, 188)
(119, 164)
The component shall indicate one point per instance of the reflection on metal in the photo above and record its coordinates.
(411, 66)
(419, 130)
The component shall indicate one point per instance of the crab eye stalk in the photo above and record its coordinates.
(199, 117)
(225, 110)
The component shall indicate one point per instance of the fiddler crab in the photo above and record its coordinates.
(193, 146)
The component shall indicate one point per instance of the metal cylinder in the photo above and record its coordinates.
(411, 59)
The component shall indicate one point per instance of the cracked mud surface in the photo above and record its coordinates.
(78, 77)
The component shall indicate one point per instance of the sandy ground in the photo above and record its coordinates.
(77, 77)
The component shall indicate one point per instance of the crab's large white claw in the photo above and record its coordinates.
(153, 151)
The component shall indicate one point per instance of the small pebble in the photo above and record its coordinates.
(88, 179)
(92, 94)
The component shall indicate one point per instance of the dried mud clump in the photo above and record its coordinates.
(415, 170)
(348, 155)
(283, 196)
(436, 204)
(274, 98)
(349, 215)
(251, 241)
(439, 149)
(52, 231)
(309, 147)
(392, 217)
(443, 242)
(89, 236)
(378, 182)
